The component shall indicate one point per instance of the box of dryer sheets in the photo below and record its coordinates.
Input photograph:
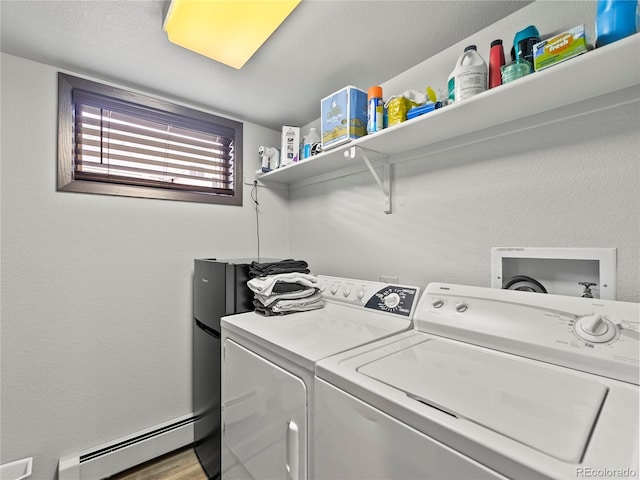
(343, 116)
(559, 48)
(290, 152)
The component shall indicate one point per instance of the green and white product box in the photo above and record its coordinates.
(559, 48)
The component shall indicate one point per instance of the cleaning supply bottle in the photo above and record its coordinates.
(451, 87)
(496, 61)
(310, 139)
(523, 43)
(301, 150)
(470, 74)
(616, 19)
(375, 109)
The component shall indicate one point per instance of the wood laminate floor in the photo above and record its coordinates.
(179, 465)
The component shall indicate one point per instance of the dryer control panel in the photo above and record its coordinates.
(592, 335)
(394, 299)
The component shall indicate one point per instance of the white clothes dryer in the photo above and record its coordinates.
(489, 384)
(268, 365)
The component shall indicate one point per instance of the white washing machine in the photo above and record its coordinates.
(489, 384)
(268, 372)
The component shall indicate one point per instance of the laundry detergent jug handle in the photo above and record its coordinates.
(467, 56)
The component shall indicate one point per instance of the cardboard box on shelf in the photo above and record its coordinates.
(559, 48)
(290, 152)
(343, 116)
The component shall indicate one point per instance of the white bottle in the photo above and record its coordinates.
(470, 74)
(310, 139)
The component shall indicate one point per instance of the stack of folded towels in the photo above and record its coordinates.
(283, 287)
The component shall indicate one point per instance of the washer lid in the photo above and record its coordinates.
(551, 411)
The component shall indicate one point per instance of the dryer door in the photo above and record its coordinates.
(264, 418)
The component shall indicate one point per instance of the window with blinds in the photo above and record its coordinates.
(120, 143)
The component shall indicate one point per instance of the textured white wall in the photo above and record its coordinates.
(572, 184)
(96, 290)
(450, 209)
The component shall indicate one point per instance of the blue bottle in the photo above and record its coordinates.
(615, 19)
(523, 44)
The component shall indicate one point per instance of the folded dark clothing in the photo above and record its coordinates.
(273, 268)
(284, 287)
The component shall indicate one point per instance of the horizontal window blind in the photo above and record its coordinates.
(125, 144)
(113, 141)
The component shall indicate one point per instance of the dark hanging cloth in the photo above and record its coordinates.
(274, 268)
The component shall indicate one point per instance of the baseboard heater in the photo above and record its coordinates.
(126, 452)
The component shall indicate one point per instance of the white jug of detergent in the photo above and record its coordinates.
(469, 77)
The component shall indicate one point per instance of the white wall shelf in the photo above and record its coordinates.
(603, 78)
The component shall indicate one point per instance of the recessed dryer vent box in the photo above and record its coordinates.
(555, 270)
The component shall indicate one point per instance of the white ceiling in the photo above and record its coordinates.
(323, 46)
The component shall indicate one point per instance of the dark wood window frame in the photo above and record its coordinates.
(72, 89)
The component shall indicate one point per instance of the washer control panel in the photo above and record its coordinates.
(394, 299)
(593, 335)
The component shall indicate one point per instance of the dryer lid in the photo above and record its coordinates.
(545, 408)
(306, 337)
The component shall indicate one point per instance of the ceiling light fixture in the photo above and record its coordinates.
(225, 30)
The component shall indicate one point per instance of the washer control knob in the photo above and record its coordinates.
(359, 294)
(346, 292)
(334, 289)
(461, 307)
(594, 325)
(595, 328)
(322, 287)
(392, 300)
(437, 303)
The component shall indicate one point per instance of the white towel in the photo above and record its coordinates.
(264, 285)
(299, 305)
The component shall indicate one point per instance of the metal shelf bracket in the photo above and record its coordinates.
(385, 182)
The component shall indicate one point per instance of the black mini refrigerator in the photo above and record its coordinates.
(219, 289)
